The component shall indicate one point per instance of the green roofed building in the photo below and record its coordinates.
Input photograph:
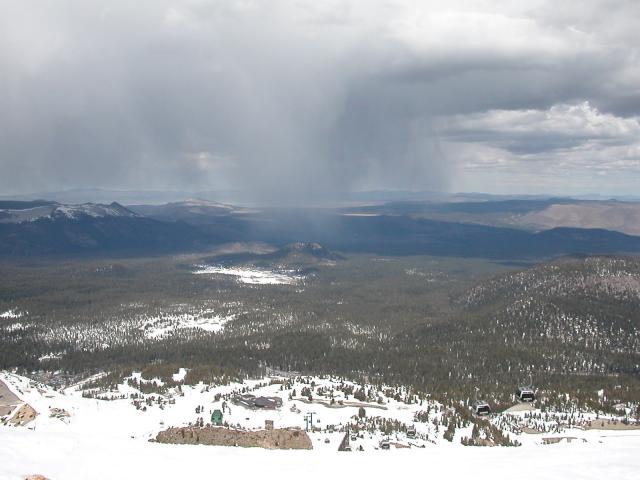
(216, 417)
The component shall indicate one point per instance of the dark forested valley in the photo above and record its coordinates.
(441, 325)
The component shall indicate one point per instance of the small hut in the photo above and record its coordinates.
(216, 417)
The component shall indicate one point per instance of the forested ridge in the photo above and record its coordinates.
(442, 326)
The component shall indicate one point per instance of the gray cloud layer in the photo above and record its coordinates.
(306, 99)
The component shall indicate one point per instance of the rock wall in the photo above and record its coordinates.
(283, 438)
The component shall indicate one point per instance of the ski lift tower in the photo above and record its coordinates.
(308, 420)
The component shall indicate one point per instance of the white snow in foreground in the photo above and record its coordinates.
(64, 455)
(109, 440)
(11, 314)
(68, 456)
(252, 275)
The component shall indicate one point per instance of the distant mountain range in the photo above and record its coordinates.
(43, 228)
(506, 229)
(237, 197)
(19, 212)
(193, 211)
(530, 214)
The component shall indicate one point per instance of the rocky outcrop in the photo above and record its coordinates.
(283, 438)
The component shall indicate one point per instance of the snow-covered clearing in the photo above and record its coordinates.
(253, 275)
(51, 356)
(109, 439)
(161, 326)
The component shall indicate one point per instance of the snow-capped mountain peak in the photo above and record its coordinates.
(92, 210)
(20, 212)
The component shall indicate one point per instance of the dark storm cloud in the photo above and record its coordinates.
(301, 100)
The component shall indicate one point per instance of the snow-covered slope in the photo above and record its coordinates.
(68, 456)
(108, 439)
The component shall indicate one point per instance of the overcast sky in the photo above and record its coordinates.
(305, 99)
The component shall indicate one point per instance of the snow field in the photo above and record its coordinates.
(109, 439)
(253, 275)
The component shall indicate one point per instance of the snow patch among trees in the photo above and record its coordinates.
(253, 275)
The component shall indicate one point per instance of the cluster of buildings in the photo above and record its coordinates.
(254, 403)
